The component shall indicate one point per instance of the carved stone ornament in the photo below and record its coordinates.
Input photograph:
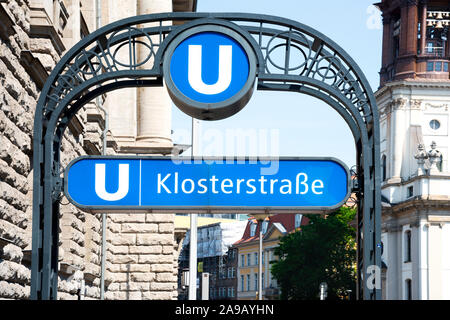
(435, 158)
(437, 106)
(421, 156)
(415, 104)
(399, 103)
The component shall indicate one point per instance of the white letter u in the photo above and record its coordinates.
(195, 70)
(100, 182)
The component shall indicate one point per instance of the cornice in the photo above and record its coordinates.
(417, 203)
(441, 176)
(389, 86)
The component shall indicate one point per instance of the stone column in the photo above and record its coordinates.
(406, 66)
(153, 104)
(423, 30)
(387, 48)
(413, 21)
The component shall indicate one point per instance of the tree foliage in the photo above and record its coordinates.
(322, 251)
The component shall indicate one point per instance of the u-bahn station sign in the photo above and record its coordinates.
(115, 184)
(210, 72)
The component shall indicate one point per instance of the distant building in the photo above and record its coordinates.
(413, 102)
(248, 254)
(214, 257)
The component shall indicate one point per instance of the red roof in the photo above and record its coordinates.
(287, 220)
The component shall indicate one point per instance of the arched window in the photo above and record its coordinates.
(407, 242)
(383, 168)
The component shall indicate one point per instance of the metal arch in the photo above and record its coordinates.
(290, 57)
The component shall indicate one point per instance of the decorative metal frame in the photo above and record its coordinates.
(290, 57)
(170, 207)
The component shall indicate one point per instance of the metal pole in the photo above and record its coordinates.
(103, 249)
(193, 227)
(193, 259)
(260, 284)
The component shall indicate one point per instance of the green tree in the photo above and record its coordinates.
(323, 250)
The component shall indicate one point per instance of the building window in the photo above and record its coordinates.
(438, 66)
(298, 220)
(242, 260)
(229, 273)
(256, 258)
(410, 191)
(253, 227)
(248, 282)
(408, 289)
(445, 66)
(430, 66)
(242, 283)
(263, 254)
(233, 272)
(435, 124)
(264, 226)
(384, 167)
(248, 259)
(256, 281)
(407, 246)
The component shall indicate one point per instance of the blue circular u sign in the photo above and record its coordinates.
(209, 72)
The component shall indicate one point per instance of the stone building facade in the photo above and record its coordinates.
(141, 252)
(413, 103)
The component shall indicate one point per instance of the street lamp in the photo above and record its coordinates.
(193, 222)
(323, 290)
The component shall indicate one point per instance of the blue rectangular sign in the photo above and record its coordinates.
(111, 184)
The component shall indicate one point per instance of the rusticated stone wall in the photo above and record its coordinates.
(141, 251)
(18, 94)
(141, 257)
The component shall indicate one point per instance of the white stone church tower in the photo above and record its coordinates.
(414, 101)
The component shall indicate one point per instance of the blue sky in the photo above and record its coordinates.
(306, 126)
